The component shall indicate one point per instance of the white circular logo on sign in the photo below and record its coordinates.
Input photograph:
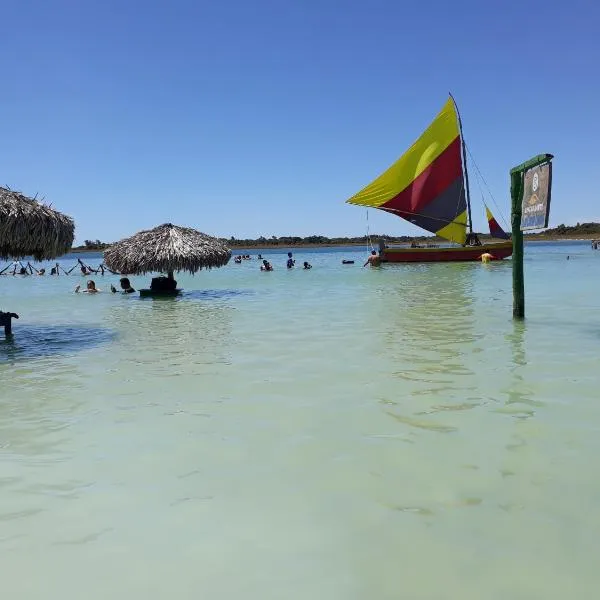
(536, 182)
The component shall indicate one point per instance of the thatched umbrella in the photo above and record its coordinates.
(165, 249)
(29, 228)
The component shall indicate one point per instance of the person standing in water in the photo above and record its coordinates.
(373, 260)
(125, 286)
(290, 261)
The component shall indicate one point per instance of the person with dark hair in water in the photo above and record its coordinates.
(125, 286)
(307, 265)
(90, 288)
(373, 260)
(266, 266)
(290, 261)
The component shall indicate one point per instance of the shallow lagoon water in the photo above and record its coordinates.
(338, 433)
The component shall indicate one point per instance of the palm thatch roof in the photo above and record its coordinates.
(29, 228)
(166, 248)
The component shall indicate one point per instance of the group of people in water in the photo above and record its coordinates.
(290, 263)
(158, 283)
(91, 288)
(18, 268)
(267, 266)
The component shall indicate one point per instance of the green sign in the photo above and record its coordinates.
(535, 206)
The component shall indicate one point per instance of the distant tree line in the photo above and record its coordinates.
(292, 240)
(571, 230)
(94, 245)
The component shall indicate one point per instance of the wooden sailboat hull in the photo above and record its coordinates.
(452, 254)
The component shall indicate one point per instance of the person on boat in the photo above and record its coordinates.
(90, 288)
(290, 261)
(125, 286)
(373, 260)
(266, 266)
(472, 240)
(307, 265)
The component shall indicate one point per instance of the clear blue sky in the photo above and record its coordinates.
(262, 117)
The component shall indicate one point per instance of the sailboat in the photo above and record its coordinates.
(429, 187)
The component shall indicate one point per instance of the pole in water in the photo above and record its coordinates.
(517, 179)
(516, 193)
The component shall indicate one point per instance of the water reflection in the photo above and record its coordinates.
(186, 333)
(430, 312)
(518, 391)
(36, 341)
(214, 294)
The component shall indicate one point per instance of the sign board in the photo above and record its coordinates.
(535, 207)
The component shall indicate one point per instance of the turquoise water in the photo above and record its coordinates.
(339, 433)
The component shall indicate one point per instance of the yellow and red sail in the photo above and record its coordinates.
(425, 185)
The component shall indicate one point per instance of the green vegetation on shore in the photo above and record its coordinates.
(580, 231)
(562, 232)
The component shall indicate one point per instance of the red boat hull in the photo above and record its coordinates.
(452, 254)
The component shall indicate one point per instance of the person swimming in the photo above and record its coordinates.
(90, 288)
(307, 265)
(266, 266)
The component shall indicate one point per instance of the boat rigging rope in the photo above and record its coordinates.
(369, 244)
(479, 176)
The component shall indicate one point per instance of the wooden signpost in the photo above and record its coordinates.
(530, 186)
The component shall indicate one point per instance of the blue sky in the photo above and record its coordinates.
(261, 118)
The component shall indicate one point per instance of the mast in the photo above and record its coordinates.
(464, 157)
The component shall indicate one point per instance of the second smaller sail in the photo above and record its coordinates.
(495, 230)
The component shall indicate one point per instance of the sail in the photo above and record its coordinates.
(495, 229)
(425, 185)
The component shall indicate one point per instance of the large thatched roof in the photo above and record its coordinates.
(29, 228)
(166, 248)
